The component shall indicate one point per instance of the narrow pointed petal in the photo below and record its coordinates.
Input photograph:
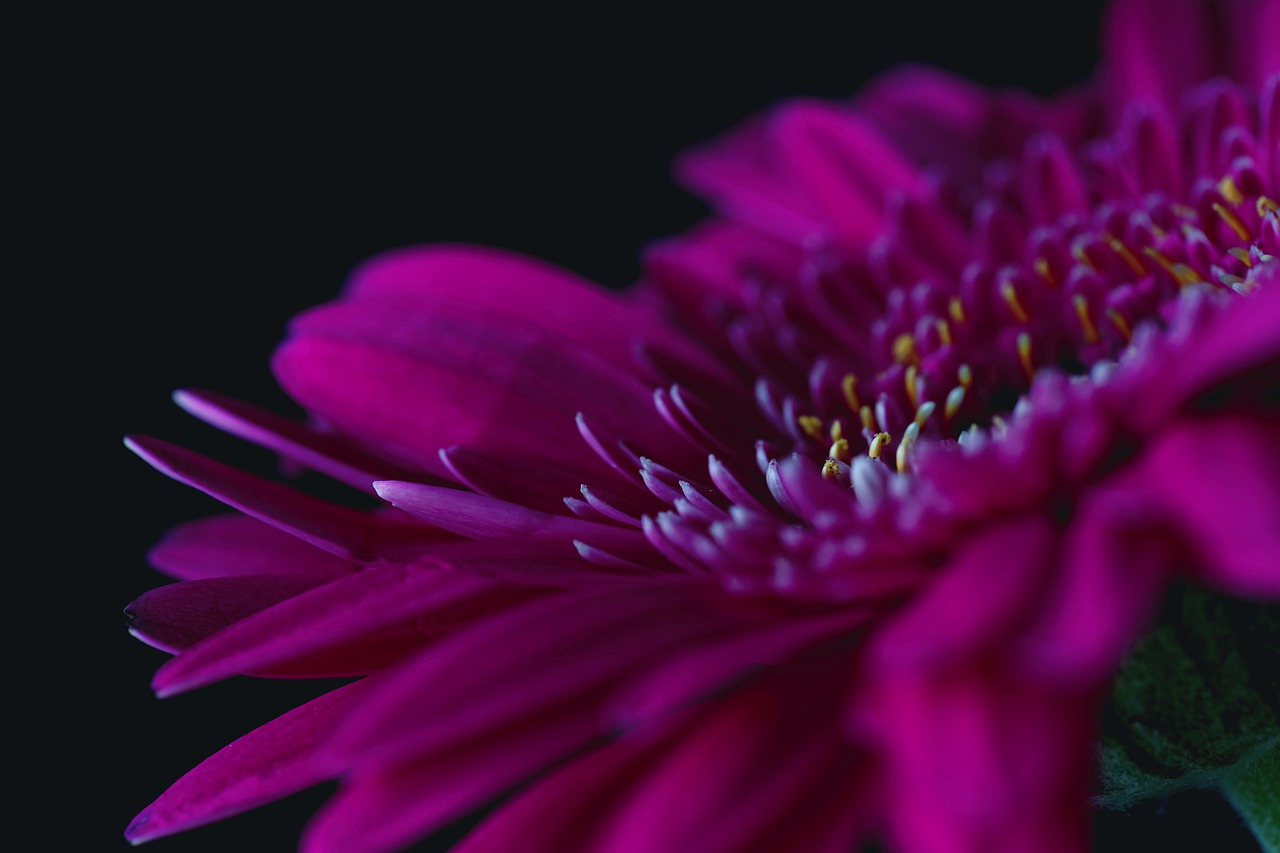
(416, 603)
(176, 616)
(481, 517)
(267, 764)
(346, 533)
(298, 442)
(235, 544)
(574, 644)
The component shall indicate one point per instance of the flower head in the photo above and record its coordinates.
(834, 529)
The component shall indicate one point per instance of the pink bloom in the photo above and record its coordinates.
(834, 529)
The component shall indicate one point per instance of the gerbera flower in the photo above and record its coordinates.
(834, 530)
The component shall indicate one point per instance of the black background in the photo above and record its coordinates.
(197, 178)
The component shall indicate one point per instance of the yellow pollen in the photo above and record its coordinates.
(849, 385)
(868, 417)
(1129, 257)
(840, 450)
(955, 399)
(1024, 354)
(1241, 255)
(1117, 319)
(837, 430)
(1041, 266)
(1231, 192)
(811, 425)
(904, 350)
(909, 379)
(1010, 296)
(944, 332)
(878, 444)
(956, 309)
(1265, 205)
(965, 375)
(1082, 314)
(830, 470)
(1229, 217)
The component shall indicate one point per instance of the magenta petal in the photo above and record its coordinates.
(535, 819)
(844, 164)
(977, 761)
(1154, 55)
(1220, 480)
(482, 517)
(701, 672)
(986, 590)
(384, 807)
(270, 762)
(234, 544)
(464, 280)
(742, 768)
(1114, 563)
(345, 533)
(575, 643)
(421, 600)
(178, 615)
(297, 442)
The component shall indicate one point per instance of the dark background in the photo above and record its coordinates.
(199, 178)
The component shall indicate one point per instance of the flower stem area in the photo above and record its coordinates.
(1254, 790)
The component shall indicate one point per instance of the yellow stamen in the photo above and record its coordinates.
(1041, 266)
(837, 430)
(830, 470)
(955, 399)
(965, 374)
(944, 332)
(1185, 275)
(811, 425)
(1024, 354)
(868, 417)
(1117, 319)
(840, 450)
(1241, 255)
(1229, 217)
(1181, 273)
(909, 379)
(878, 444)
(924, 412)
(849, 385)
(956, 309)
(1265, 205)
(1086, 322)
(1010, 296)
(1231, 192)
(904, 350)
(1129, 257)
(904, 448)
(1082, 257)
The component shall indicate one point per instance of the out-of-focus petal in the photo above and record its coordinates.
(234, 544)
(408, 606)
(178, 615)
(1219, 480)
(270, 762)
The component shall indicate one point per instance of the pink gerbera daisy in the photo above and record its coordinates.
(833, 531)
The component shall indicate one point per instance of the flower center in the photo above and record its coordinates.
(1069, 255)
